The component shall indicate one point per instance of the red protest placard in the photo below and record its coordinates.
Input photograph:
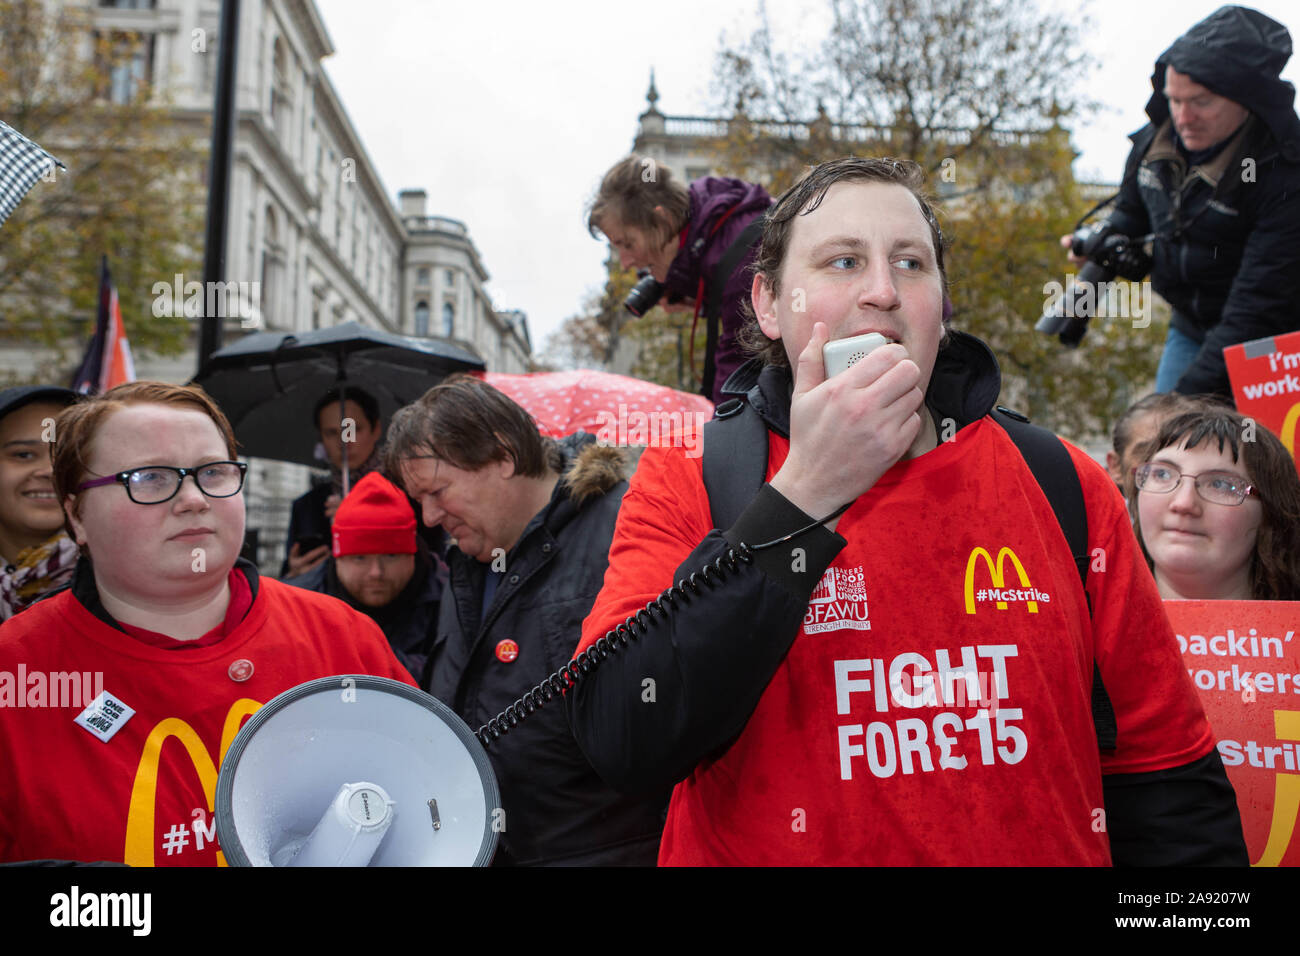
(1244, 657)
(1265, 376)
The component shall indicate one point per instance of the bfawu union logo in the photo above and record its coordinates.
(839, 602)
(998, 592)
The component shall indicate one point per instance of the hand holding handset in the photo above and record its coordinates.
(841, 353)
(847, 430)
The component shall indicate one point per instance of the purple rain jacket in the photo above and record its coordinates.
(699, 255)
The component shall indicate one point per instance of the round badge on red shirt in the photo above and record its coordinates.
(507, 650)
(241, 670)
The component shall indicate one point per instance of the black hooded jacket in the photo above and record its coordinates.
(1227, 229)
(557, 810)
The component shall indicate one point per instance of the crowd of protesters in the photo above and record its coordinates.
(473, 557)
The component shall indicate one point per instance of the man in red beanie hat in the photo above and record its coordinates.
(383, 569)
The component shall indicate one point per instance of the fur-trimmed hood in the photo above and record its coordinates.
(591, 468)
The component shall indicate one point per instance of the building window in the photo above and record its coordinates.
(448, 320)
(320, 148)
(324, 170)
(272, 269)
(281, 93)
(423, 275)
(128, 4)
(126, 64)
(451, 279)
(422, 318)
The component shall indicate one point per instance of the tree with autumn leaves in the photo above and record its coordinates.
(132, 190)
(977, 92)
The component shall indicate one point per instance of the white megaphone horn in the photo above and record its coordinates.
(356, 771)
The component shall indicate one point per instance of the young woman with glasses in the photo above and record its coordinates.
(1217, 499)
(164, 632)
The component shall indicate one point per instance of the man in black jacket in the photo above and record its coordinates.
(916, 681)
(354, 431)
(532, 520)
(1215, 177)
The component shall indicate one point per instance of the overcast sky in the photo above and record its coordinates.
(508, 112)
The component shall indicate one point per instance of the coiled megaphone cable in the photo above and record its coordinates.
(564, 679)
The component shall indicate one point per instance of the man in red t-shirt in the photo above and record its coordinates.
(909, 680)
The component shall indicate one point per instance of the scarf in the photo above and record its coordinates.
(356, 474)
(36, 571)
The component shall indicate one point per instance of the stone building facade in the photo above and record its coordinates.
(309, 219)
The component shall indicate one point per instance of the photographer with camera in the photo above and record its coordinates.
(1214, 182)
(693, 244)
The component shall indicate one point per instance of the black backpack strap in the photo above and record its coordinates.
(732, 258)
(735, 460)
(1055, 473)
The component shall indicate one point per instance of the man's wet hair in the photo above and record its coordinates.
(804, 197)
(469, 424)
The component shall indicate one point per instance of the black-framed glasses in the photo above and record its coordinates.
(1216, 487)
(154, 484)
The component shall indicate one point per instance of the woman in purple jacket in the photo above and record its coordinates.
(681, 235)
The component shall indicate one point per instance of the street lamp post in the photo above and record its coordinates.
(219, 162)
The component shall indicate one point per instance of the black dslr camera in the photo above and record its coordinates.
(1109, 254)
(644, 294)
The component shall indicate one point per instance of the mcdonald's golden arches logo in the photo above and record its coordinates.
(1288, 434)
(144, 792)
(998, 592)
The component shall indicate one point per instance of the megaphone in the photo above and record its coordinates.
(356, 771)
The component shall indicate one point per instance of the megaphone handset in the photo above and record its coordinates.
(567, 677)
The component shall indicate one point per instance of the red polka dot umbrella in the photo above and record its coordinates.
(617, 409)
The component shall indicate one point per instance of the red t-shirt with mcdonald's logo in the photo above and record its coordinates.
(935, 705)
(145, 795)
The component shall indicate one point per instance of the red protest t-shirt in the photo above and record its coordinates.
(145, 796)
(935, 706)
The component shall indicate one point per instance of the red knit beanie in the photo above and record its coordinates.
(375, 518)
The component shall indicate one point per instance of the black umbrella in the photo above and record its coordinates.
(269, 382)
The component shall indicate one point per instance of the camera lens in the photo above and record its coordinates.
(644, 295)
